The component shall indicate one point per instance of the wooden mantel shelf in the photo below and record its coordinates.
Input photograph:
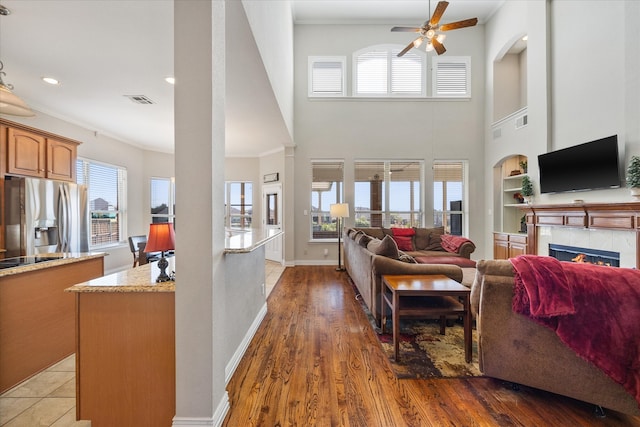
(601, 216)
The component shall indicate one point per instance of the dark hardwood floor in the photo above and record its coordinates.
(315, 361)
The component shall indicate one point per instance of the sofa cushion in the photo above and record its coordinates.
(455, 260)
(428, 238)
(386, 247)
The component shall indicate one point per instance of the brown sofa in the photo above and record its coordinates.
(513, 348)
(427, 242)
(366, 268)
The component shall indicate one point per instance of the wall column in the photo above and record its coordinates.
(199, 66)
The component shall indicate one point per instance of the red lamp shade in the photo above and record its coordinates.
(161, 238)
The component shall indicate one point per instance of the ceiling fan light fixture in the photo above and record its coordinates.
(417, 42)
(429, 47)
(430, 33)
(441, 37)
(10, 103)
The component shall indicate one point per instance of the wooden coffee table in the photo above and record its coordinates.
(431, 295)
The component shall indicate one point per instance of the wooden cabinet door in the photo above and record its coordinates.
(500, 249)
(26, 153)
(61, 160)
(516, 249)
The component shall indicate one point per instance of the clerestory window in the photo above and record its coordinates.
(378, 71)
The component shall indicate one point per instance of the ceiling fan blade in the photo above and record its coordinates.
(459, 24)
(439, 47)
(437, 14)
(406, 29)
(409, 47)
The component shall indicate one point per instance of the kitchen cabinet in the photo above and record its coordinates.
(37, 318)
(30, 152)
(34, 155)
(509, 245)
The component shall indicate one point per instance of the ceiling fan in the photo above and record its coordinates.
(430, 29)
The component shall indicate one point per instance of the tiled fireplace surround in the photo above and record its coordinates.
(611, 227)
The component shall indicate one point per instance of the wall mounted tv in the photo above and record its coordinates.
(589, 166)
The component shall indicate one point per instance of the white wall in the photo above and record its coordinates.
(592, 83)
(353, 129)
(272, 26)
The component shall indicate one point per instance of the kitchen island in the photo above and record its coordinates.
(37, 322)
(125, 355)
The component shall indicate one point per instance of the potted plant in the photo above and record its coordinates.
(527, 188)
(524, 165)
(633, 176)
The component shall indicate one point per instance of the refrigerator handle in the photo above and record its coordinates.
(64, 227)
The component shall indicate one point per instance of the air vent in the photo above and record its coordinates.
(140, 99)
(497, 133)
(522, 121)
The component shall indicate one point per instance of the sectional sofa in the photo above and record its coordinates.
(370, 253)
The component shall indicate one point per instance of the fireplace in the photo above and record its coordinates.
(588, 255)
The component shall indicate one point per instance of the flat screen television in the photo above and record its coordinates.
(589, 166)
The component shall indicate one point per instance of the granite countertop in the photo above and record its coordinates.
(139, 279)
(247, 240)
(41, 261)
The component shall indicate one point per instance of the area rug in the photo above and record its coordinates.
(424, 353)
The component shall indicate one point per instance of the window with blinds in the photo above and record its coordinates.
(326, 189)
(106, 186)
(163, 196)
(378, 71)
(326, 76)
(238, 204)
(452, 77)
(388, 193)
(449, 200)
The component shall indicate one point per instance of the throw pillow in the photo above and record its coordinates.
(435, 243)
(406, 258)
(387, 248)
(404, 238)
(421, 238)
(363, 240)
(397, 231)
(405, 243)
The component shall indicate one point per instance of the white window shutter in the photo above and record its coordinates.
(451, 77)
(326, 76)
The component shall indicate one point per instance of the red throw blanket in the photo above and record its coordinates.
(451, 243)
(594, 310)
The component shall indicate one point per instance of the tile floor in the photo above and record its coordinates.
(49, 398)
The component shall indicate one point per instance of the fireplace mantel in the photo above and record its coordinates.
(602, 216)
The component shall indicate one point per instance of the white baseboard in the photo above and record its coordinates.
(215, 421)
(237, 356)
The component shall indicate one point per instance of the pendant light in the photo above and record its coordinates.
(10, 103)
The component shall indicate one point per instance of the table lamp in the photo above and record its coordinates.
(339, 211)
(161, 238)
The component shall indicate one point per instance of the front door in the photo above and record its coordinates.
(272, 219)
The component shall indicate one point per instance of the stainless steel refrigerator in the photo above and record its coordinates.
(45, 216)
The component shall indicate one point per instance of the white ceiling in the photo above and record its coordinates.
(102, 50)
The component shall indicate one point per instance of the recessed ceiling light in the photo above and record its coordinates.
(170, 80)
(525, 38)
(51, 80)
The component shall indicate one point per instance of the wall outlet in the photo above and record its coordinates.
(326, 251)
